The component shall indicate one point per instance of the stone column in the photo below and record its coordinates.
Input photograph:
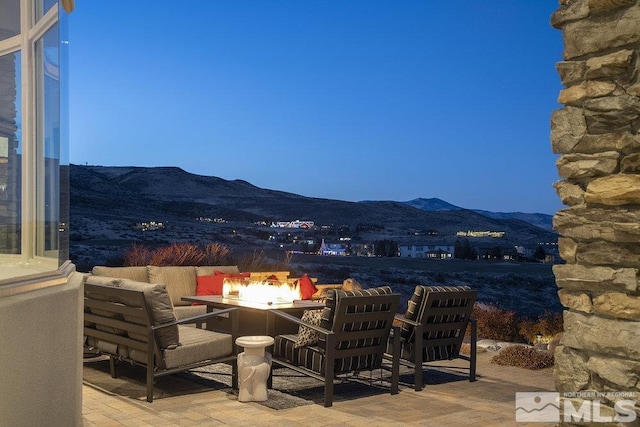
(596, 135)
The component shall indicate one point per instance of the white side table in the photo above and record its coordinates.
(254, 366)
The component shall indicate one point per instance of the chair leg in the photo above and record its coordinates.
(474, 350)
(328, 388)
(112, 367)
(395, 361)
(150, 383)
(417, 358)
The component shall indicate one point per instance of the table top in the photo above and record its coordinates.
(254, 341)
(218, 300)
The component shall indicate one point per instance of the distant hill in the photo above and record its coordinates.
(108, 202)
(543, 221)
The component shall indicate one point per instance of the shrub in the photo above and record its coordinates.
(177, 254)
(546, 325)
(523, 357)
(495, 323)
(136, 256)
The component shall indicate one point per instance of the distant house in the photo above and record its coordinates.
(433, 251)
(333, 249)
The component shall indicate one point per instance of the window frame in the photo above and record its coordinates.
(27, 267)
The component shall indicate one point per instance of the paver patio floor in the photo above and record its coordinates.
(179, 402)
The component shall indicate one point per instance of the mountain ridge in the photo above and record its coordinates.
(544, 221)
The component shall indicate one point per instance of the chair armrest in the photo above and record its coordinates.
(195, 319)
(405, 320)
(298, 321)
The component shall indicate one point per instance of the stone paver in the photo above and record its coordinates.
(488, 401)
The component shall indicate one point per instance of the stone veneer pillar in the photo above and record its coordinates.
(596, 135)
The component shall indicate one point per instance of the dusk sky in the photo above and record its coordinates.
(340, 99)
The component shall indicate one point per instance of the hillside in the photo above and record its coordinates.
(106, 203)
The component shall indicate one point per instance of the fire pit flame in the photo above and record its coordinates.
(260, 291)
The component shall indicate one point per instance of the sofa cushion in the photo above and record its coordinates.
(184, 311)
(180, 281)
(207, 270)
(159, 303)
(139, 274)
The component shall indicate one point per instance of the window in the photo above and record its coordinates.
(33, 138)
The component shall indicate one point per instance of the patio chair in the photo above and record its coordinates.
(351, 336)
(433, 328)
(134, 322)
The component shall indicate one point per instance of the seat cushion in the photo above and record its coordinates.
(180, 281)
(197, 345)
(311, 357)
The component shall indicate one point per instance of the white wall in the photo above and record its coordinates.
(41, 356)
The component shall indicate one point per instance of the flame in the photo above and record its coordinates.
(260, 291)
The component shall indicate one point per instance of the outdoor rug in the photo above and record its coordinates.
(290, 389)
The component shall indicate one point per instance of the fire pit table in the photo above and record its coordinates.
(255, 318)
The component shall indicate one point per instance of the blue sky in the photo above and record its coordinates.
(340, 99)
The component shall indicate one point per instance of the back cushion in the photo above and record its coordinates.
(416, 306)
(139, 274)
(330, 305)
(207, 270)
(159, 303)
(180, 281)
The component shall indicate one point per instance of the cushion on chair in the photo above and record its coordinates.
(159, 303)
(416, 310)
(311, 357)
(197, 345)
(104, 281)
(415, 306)
(180, 281)
(330, 305)
(308, 336)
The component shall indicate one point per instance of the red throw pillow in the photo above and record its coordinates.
(307, 288)
(212, 285)
(209, 285)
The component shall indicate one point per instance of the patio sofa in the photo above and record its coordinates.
(182, 281)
